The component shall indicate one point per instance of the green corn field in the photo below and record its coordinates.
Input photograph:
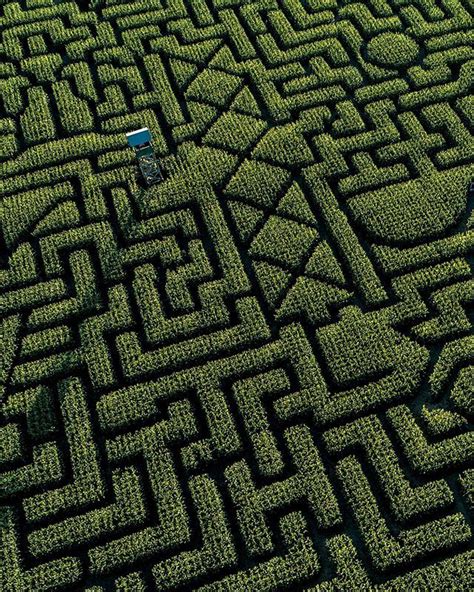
(257, 374)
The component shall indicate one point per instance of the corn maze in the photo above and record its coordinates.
(257, 374)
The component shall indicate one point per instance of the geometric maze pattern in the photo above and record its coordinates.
(256, 375)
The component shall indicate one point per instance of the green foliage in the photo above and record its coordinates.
(213, 87)
(73, 112)
(234, 132)
(283, 242)
(257, 182)
(36, 121)
(257, 374)
(392, 49)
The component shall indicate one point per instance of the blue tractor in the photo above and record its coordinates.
(140, 140)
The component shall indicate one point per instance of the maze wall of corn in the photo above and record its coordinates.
(256, 375)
